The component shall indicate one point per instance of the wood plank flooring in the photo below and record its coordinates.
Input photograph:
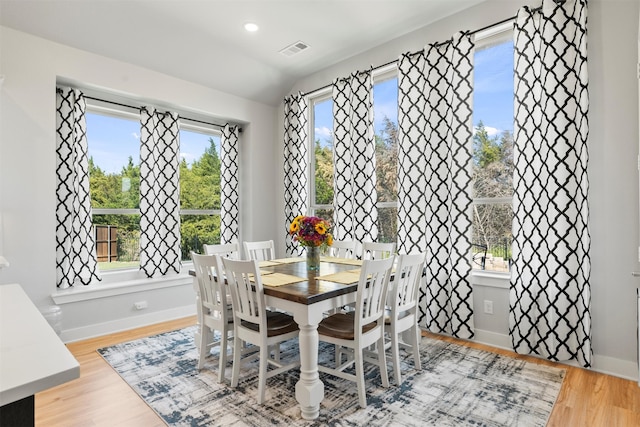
(101, 398)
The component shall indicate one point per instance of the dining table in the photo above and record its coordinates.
(290, 286)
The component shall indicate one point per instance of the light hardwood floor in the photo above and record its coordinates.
(101, 398)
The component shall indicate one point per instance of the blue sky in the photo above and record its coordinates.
(112, 140)
(493, 95)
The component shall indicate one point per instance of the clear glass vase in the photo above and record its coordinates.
(313, 258)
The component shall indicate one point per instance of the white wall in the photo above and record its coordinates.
(30, 66)
(613, 143)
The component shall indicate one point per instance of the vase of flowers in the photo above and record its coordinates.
(314, 234)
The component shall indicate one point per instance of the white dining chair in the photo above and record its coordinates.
(259, 251)
(358, 330)
(401, 319)
(215, 311)
(378, 250)
(225, 250)
(343, 249)
(254, 324)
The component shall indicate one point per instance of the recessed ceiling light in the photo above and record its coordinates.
(251, 27)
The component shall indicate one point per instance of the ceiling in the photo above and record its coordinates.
(204, 41)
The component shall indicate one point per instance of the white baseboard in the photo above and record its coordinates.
(96, 330)
(626, 369)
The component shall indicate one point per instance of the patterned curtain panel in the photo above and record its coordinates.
(296, 164)
(75, 245)
(434, 176)
(229, 195)
(159, 193)
(550, 291)
(355, 197)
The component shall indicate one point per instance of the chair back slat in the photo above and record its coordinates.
(378, 250)
(372, 290)
(225, 250)
(208, 271)
(247, 293)
(343, 249)
(406, 283)
(259, 251)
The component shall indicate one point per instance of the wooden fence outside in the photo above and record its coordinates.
(106, 237)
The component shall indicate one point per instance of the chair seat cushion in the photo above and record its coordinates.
(277, 324)
(341, 325)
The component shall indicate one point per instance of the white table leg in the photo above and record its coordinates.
(309, 389)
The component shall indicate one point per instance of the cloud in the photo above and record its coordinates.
(491, 131)
(136, 135)
(323, 132)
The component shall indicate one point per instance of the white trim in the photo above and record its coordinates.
(493, 339)
(490, 279)
(626, 369)
(100, 290)
(124, 324)
(494, 34)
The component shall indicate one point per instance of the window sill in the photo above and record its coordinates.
(490, 279)
(112, 288)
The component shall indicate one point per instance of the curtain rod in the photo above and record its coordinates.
(495, 24)
(137, 108)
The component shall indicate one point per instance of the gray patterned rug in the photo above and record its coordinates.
(457, 386)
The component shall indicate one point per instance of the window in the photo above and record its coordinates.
(493, 153)
(322, 158)
(199, 188)
(385, 109)
(385, 120)
(113, 138)
(114, 181)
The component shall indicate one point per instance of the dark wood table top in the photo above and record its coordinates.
(311, 289)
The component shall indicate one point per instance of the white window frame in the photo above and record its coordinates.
(492, 36)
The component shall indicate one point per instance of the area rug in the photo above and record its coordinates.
(457, 386)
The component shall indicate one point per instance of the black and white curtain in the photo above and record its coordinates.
(75, 245)
(296, 165)
(159, 192)
(229, 185)
(550, 290)
(434, 178)
(355, 216)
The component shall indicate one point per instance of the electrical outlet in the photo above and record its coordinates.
(140, 305)
(488, 306)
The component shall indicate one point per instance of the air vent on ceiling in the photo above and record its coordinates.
(294, 49)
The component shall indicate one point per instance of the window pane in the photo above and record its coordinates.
(325, 214)
(387, 224)
(199, 170)
(493, 155)
(197, 230)
(114, 161)
(492, 236)
(117, 241)
(323, 152)
(199, 190)
(114, 183)
(385, 113)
